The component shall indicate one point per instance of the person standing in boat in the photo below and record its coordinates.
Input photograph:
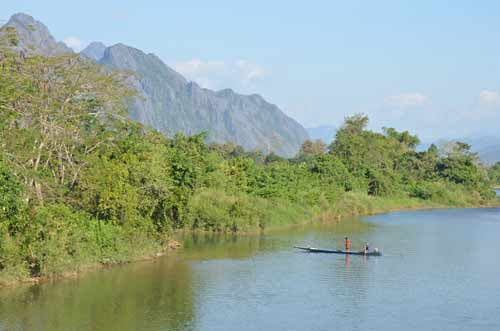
(347, 244)
(367, 248)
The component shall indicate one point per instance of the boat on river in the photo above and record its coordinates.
(338, 251)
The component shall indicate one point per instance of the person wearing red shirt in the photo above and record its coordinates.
(347, 244)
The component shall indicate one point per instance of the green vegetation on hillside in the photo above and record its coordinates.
(80, 184)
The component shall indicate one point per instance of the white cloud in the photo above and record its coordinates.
(406, 100)
(198, 67)
(75, 43)
(489, 98)
(240, 75)
(250, 70)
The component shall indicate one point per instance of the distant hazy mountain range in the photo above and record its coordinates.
(170, 104)
(326, 133)
(490, 156)
(487, 148)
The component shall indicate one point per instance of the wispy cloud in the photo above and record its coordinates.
(215, 74)
(405, 100)
(74, 43)
(199, 67)
(489, 98)
(250, 70)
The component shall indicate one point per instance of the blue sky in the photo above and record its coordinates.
(429, 66)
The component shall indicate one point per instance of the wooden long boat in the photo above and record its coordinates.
(338, 251)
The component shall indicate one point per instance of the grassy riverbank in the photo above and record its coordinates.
(275, 218)
(211, 210)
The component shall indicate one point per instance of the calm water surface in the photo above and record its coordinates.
(440, 271)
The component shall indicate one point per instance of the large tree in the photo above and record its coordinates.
(52, 109)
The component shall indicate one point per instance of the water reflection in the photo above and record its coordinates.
(441, 266)
(166, 294)
(144, 296)
(347, 263)
(204, 246)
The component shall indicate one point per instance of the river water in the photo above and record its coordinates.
(440, 271)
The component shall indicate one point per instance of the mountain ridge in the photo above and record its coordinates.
(35, 37)
(247, 120)
(95, 50)
(170, 103)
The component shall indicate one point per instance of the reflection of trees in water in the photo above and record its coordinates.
(145, 296)
(331, 234)
(204, 246)
(230, 246)
(160, 294)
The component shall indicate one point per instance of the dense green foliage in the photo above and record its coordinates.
(81, 184)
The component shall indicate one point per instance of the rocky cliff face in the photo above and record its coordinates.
(34, 37)
(170, 104)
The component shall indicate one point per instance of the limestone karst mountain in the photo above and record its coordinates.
(35, 37)
(95, 50)
(170, 103)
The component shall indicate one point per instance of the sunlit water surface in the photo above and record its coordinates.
(440, 271)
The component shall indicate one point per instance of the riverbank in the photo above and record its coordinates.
(365, 205)
(351, 205)
(82, 269)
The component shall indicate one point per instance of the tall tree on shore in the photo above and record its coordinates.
(62, 100)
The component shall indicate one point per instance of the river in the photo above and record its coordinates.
(440, 271)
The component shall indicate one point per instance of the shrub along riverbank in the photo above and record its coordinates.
(81, 185)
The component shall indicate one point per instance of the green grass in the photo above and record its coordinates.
(217, 211)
